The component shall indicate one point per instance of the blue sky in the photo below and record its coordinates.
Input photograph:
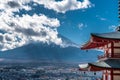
(97, 19)
(78, 24)
(26, 21)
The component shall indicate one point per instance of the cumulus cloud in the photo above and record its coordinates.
(13, 4)
(23, 30)
(16, 31)
(58, 6)
(64, 5)
(10, 6)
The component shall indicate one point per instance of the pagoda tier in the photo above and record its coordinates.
(109, 42)
(99, 40)
(109, 62)
(110, 68)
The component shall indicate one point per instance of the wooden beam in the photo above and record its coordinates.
(112, 49)
(111, 74)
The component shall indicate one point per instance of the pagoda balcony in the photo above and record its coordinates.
(117, 55)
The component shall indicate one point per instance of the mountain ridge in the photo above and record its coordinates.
(49, 52)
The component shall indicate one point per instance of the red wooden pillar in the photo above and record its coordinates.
(107, 54)
(112, 49)
(105, 77)
(111, 74)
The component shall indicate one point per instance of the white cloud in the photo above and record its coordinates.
(81, 26)
(10, 6)
(23, 30)
(64, 5)
(101, 18)
(112, 27)
(16, 31)
(58, 6)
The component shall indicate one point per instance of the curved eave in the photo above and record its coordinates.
(108, 36)
(83, 67)
(99, 68)
(108, 64)
(91, 45)
(102, 65)
(89, 67)
(97, 41)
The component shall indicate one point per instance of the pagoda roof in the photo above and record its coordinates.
(100, 39)
(101, 65)
(111, 35)
(109, 63)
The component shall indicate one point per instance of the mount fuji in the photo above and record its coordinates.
(38, 52)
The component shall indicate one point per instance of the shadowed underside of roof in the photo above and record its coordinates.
(99, 40)
(109, 63)
(111, 35)
(101, 65)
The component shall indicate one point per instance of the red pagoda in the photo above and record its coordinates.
(109, 63)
